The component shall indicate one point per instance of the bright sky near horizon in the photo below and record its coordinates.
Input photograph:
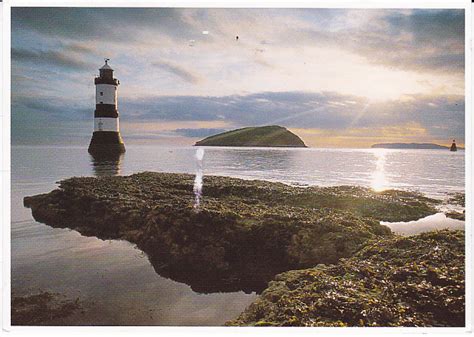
(336, 77)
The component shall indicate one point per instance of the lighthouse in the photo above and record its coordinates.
(106, 138)
(453, 148)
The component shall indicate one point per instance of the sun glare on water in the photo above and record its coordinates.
(379, 180)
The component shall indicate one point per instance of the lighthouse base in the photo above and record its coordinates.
(106, 142)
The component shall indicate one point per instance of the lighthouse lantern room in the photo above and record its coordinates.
(106, 138)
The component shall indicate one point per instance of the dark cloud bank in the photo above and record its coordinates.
(49, 58)
(442, 116)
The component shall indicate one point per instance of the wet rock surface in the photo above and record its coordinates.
(398, 281)
(244, 233)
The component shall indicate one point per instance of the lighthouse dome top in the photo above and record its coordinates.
(106, 66)
(106, 75)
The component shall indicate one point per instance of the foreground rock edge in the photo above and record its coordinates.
(415, 281)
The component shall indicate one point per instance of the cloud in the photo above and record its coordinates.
(326, 109)
(88, 24)
(374, 53)
(82, 48)
(423, 40)
(417, 40)
(179, 71)
(50, 107)
(199, 133)
(365, 136)
(49, 58)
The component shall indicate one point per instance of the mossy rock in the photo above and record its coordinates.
(399, 281)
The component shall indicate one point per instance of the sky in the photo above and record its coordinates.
(335, 77)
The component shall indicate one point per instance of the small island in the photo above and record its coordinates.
(264, 136)
(431, 146)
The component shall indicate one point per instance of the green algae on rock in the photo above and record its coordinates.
(399, 281)
(244, 233)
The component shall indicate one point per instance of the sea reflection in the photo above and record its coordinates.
(106, 164)
(379, 180)
(252, 159)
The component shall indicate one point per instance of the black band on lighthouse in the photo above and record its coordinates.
(106, 137)
(100, 80)
(105, 110)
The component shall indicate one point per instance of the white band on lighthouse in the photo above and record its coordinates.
(106, 94)
(106, 124)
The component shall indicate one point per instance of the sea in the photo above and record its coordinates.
(114, 281)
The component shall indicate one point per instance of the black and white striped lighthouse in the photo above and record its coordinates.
(106, 138)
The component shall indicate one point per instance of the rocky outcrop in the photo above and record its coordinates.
(244, 233)
(398, 281)
(321, 253)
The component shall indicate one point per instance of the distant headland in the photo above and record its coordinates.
(412, 146)
(264, 136)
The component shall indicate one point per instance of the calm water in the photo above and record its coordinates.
(115, 282)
